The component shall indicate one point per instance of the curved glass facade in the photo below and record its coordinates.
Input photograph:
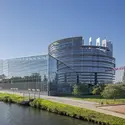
(85, 60)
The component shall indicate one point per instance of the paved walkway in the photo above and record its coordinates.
(69, 101)
(115, 108)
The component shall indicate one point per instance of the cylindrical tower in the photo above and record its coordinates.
(88, 61)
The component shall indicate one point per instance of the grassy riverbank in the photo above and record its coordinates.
(67, 110)
(11, 98)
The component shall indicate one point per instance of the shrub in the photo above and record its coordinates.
(80, 89)
(76, 90)
(114, 91)
(98, 89)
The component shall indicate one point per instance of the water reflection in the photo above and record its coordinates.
(18, 115)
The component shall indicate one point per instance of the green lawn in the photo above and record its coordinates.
(104, 101)
(98, 99)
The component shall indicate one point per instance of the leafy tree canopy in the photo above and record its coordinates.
(114, 91)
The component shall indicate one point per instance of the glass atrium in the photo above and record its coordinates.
(36, 72)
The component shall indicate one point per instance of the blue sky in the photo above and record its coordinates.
(27, 27)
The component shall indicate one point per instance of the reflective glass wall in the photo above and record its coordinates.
(61, 80)
(41, 72)
(26, 73)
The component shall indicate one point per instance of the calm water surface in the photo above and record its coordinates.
(18, 115)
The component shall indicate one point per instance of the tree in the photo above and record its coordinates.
(76, 90)
(84, 89)
(98, 89)
(114, 91)
(35, 77)
(80, 89)
(123, 79)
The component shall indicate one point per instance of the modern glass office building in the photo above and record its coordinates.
(92, 63)
(68, 62)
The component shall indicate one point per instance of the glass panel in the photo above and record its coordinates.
(44, 72)
(61, 79)
(26, 73)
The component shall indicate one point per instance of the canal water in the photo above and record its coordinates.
(12, 114)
